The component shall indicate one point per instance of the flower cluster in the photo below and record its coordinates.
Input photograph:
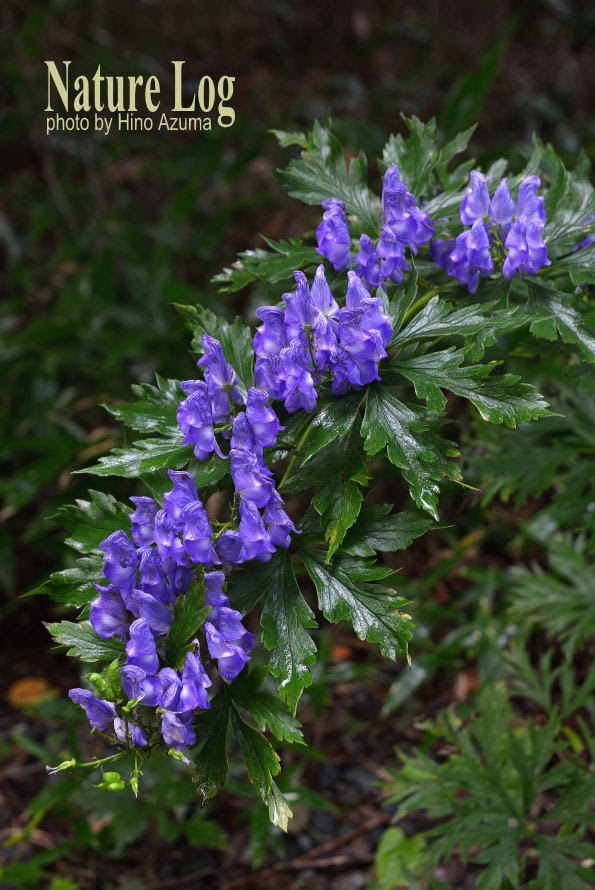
(499, 231)
(298, 344)
(147, 575)
(404, 225)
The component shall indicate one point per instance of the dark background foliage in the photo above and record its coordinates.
(100, 235)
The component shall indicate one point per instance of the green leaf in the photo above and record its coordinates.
(75, 586)
(338, 503)
(279, 810)
(498, 399)
(345, 452)
(552, 315)
(155, 410)
(88, 523)
(347, 591)
(278, 264)
(212, 729)
(438, 319)
(379, 529)
(265, 709)
(235, 338)
(144, 456)
(262, 762)
(391, 424)
(83, 642)
(284, 618)
(332, 420)
(321, 172)
(398, 858)
(189, 615)
(209, 472)
(286, 138)
(248, 584)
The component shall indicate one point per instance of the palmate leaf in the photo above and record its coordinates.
(74, 586)
(235, 338)
(378, 529)
(212, 729)
(338, 503)
(344, 452)
(277, 264)
(83, 642)
(419, 155)
(155, 410)
(502, 399)
(332, 420)
(285, 617)
(321, 172)
(348, 590)
(438, 319)
(88, 523)
(390, 424)
(265, 709)
(552, 316)
(144, 456)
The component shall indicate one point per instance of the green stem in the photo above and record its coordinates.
(420, 303)
(302, 441)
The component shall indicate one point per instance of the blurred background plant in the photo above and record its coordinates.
(99, 236)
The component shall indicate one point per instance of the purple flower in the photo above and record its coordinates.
(332, 235)
(108, 617)
(100, 713)
(363, 346)
(143, 520)
(529, 205)
(440, 251)
(231, 655)
(137, 684)
(392, 254)
(256, 543)
(374, 317)
(140, 649)
(242, 435)
(476, 203)
(196, 421)
(120, 559)
(294, 370)
(180, 580)
(279, 525)
(130, 733)
(321, 294)
(195, 682)
(502, 206)
(183, 493)
(220, 379)
(300, 311)
(169, 545)
(198, 533)
(271, 336)
(214, 594)
(527, 251)
(253, 481)
(152, 575)
(229, 547)
(470, 256)
(177, 731)
(324, 343)
(266, 374)
(157, 616)
(367, 261)
(402, 216)
(261, 417)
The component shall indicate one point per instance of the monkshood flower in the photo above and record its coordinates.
(295, 371)
(120, 559)
(263, 421)
(253, 481)
(332, 235)
(143, 520)
(109, 617)
(130, 733)
(221, 379)
(197, 534)
(140, 648)
(368, 262)
(157, 616)
(279, 525)
(137, 684)
(228, 640)
(405, 220)
(177, 730)
(256, 543)
(500, 232)
(195, 419)
(391, 252)
(100, 713)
